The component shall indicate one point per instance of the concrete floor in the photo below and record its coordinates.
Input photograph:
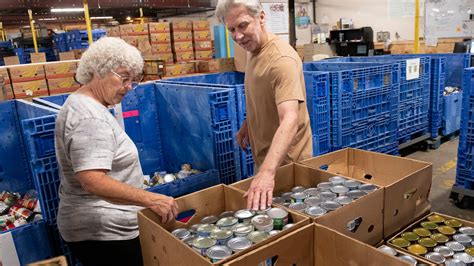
(444, 174)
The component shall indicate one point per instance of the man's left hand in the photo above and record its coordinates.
(260, 193)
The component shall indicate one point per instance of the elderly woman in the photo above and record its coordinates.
(101, 178)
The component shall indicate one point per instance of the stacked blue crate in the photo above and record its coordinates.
(76, 39)
(364, 104)
(24, 54)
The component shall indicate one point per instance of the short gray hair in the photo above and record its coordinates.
(106, 54)
(223, 6)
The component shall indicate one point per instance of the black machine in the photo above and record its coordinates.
(353, 42)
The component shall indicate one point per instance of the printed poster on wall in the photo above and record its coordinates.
(302, 18)
(277, 17)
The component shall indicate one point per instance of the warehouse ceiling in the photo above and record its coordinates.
(15, 12)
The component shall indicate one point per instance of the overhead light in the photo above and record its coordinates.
(47, 19)
(106, 17)
(67, 10)
(129, 18)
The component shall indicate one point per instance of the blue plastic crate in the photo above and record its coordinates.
(452, 113)
(188, 185)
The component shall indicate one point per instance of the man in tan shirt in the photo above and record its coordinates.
(277, 123)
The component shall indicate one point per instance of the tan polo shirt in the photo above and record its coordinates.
(272, 76)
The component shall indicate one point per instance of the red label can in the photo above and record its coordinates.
(18, 211)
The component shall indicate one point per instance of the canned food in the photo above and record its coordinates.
(286, 196)
(453, 223)
(446, 230)
(20, 212)
(327, 195)
(435, 257)
(279, 216)
(408, 259)
(445, 251)
(367, 188)
(356, 194)
(211, 219)
(181, 233)
(352, 184)
(193, 228)
(312, 192)
(339, 190)
(263, 223)
(4, 219)
(227, 222)
(242, 229)
(464, 257)
(440, 238)
(244, 215)
(435, 218)
(20, 221)
(463, 239)
(467, 230)
(470, 251)
(9, 198)
(257, 236)
(298, 189)
(410, 236)
(427, 242)
(400, 242)
(30, 204)
(315, 211)
(455, 246)
(343, 200)
(337, 180)
(298, 197)
(217, 253)
(288, 226)
(201, 244)
(274, 232)
(417, 249)
(262, 212)
(226, 214)
(454, 262)
(278, 200)
(429, 225)
(324, 186)
(330, 205)
(239, 243)
(205, 230)
(298, 206)
(422, 232)
(3, 208)
(313, 201)
(221, 236)
(388, 250)
(189, 240)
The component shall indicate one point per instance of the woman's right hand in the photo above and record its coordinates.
(166, 207)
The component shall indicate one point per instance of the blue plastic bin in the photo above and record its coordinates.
(452, 113)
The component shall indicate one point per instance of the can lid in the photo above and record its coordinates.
(467, 230)
(351, 184)
(244, 214)
(286, 196)
(277, 213)
(312, 191)
(239, 243)
(446, 230)
(445, 251)
(313, 201)
(339, 189)
(298, 189)
(337, 179)
(388, 250)
(464, 257)
(260, 212)
(367, 187)
(189, 240)
(227, 221)
(315, 211)
(257, 236)
(330, 205)
(435, 257)
(299, 195)
(274, 232)
(356, 194)
(207, 228)
(299, 206)
(427, 242)
(327, 195)
(181, 233)
(462, 238)
(193, 228)
(203, 242)
(343, 200)
(453, 223)
(455, 246)
(211, 219)
(288, 226)
(408, 259)
(440, 238)
(221, 233)
(226, 214)
(454, 262)
(262, 220)
(242, 228)
(324, 185)
(218, 252)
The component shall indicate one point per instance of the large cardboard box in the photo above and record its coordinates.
(184, 46)
(62, 85)
(29, 89)
(27, 72)
(164, 37)
(180, 69)
(158, 27)
(113, 31)
(182, 25)
(203, 45)
(184, 56)
(199, 25)
(160, 247)
(60, 69)
(318, 49)
(6, 92)
(202, 35)
(11, 60)
(78, 53)
(182, 35)
(65, 56)
(407, 182)
(38, 57)
(216, 65)
(167, 57)
(161, 48)
(203, 54)
(133, 29)
(366, 211)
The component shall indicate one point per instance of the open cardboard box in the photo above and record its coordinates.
(407, 182)
(415, 224)
(160, 247)
(368, 210)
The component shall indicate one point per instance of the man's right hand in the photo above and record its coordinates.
(166, 207)
(243, 136)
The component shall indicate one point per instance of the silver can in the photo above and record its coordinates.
(298, 206)
(435, 257)
(339, 190)
(242, 229)
(226, 214)
(330, 205)
(193, 228)
(244, 215)
(278, 200)
(324, 186)
(217, 253)
(257, 236)
(189, 240)
(327, 195)
(211, 219)
(313, 201)
(455, 246)
(227, 222)
(367, 187)
(315, 211)
(221, 236)
(463, 239)
(286, 196)
(352, 184)
(239, 243)
(279, 216)
(356, 194)
(204, 230)
(298, 189)
(262, 223)
(263, 212)
(181, 233)
(312, 192)
(298, 197)
(467, 230)
(454, 262)
(343, 200)
(201, 244)
(445, 251)
(388, 250)
(464, 257)
(337, 180)
(288, 226)
(274, 232)
(408, 259)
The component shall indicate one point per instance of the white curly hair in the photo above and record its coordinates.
(223, 6)
(106, 54)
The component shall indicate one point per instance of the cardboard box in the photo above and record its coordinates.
(203, 45)
(154, 68)
(65, 56)
(184, 46)
(133, 29)
(28, 72)
(160, 247)
(113, 31)
(203, 54)
(6, 92)
(157, 27)
(38, 57)
(216, 65)
(368, 209)
(184, 56)
(167, 57)
(180, 69)
(78, 53)
(199, 25)
(164, 37)
(142, 42)
(182, 35)
(318, 49)
(57, 261)
(240, 58)
(62, 85)
(407, 182)
(182, 25)
(161, 48)
(203, 35)
(60, 69)
(28, 89)
(11, 60)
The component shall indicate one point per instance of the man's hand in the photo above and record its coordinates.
(260, 193)
(243, 136)
(166, 207)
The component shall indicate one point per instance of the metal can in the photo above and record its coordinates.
(330, 205)
(217, 253)
(429, 225)
(464, 257)
(435, 218)
(205, 230)
(287, 226)
(417, 249)
(352, 184)
(339, 190)
(343, 200)
(327, 195)
(313, 201)
(262, 212)
(470, 251)
(324, 186)
(298, 189)
(388, 250)
(467, 230)
(312, 192)
(244, 215)
(278, 200)
(263, 223)
(279, 216)
(221, 236)
(315, 211)
(408, 259)
(239, 243)
(454, 262)
(455, 246)
(226, 214)
(286, 196)
(257, 236)
(435, 257)
(422, 232)
(9, 198)
(400, 242)
(298, 206)
(453, 223)
(189, 240)
(227, 223)
(367, 188)
(211, 219)
(274, 232)
(19, 211)
(181, 233)
(410, 236)
(356, 194)
(298, 197)
(337, 180)
(193, 228)
(440, 238)
(201, 244)
(30, 204)
(445, 251)
(446, 230)
(427, 242)
(242, 229)
(463, 239)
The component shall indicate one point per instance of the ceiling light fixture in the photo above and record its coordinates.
(47, 19)
(105, 17)
(67, 10)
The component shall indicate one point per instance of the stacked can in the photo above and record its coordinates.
(218, 237)
(16, 210)
(163, 177)
(440, 240)
(325, 197)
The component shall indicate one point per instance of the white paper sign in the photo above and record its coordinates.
(413, 68)
(277, 17)
(8, 254)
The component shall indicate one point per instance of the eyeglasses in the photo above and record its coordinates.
(127, 81)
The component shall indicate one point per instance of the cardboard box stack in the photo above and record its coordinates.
(113, 31)
(138, 36)
(160, 40)
(215, 65)
(180, 69)
(28, 80)
(182, 41)
(202, 40)
(60, 76)
(153, 69)
(6, 92)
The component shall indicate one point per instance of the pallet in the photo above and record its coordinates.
(435, 143)
(416, 140)
(462, 197)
